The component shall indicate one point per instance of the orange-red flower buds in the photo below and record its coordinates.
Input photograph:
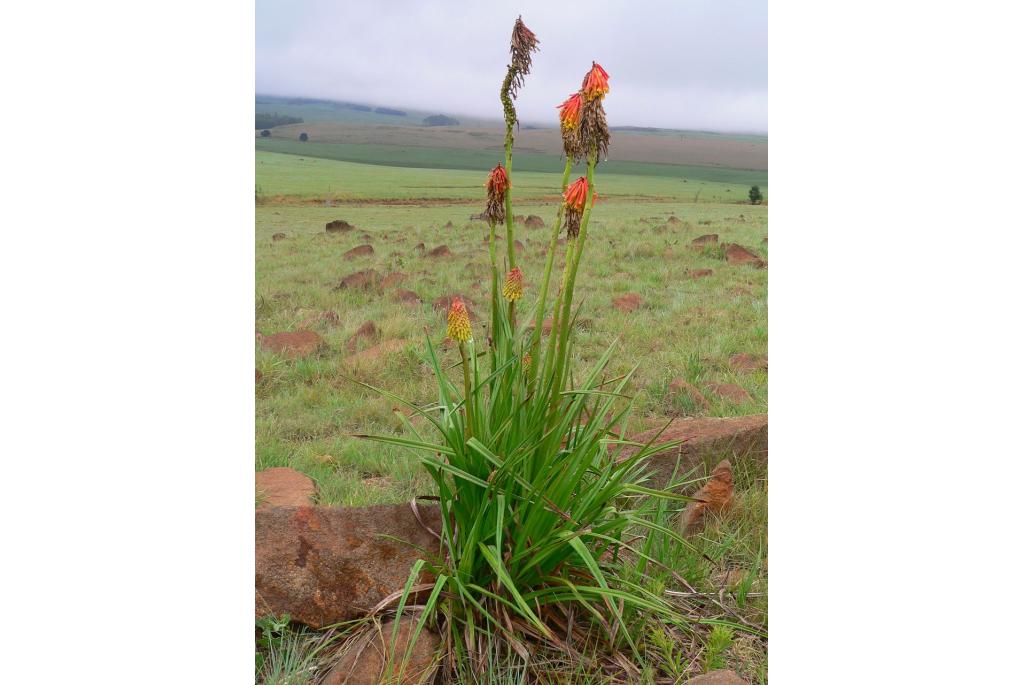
(569, 111)
(576, 194)
(595, 83)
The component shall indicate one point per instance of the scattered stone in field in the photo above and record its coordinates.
(534, 221)
(339, 226)
(420, 247)
(709, 239)
(284, 487)
(679, 386)
(365, 236)
(715, 497)
(368, 331)
(278, 236)
(730, 392)
(366, 278)
(673, 221)
(519, 219)
(293, 344)
(738, 438)
(627, 303)
(737, 254)
(259, 376)
(519, 245)
(719, 677)
(440, 251)
(407, 297)
(561, 241)
(392, 279)
(477, 217)
(704, 222)
(365, 661)
(701, 273)
(328, 318)
(323, 565)
(746, 363)
(377, 352)
(449, 224)
(360, 251)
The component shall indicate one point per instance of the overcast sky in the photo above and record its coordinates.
(673, 63)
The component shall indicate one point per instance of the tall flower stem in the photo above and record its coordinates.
(510, 122)
(467, 405)
(570, 284)
(543, 298)
(494, 291)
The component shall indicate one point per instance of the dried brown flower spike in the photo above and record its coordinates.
(524, 42)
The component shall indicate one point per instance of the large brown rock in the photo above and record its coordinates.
(709, 239)
(737, 254)
(366, 660)
(366, 278)
(292, 343)
(322, 565)
(706, 441)
(359, 251)
(715, 497)
(719, 677)
(534, 221)
(284, 487)
(339, 226)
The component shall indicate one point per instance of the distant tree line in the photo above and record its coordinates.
(267, 120)
(388, 110)
(440, 120)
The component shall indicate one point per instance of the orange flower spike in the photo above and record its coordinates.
(569, 111)
(513, 288)
(497, 182)
(458, 322)
(576, 194)
(595, 83)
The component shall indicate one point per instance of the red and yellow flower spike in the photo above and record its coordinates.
(595, 83)
(576, 194)
(513, 288)
(458, 322)
(569, 111)
(497, 182)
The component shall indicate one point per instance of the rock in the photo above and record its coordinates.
(746, 363)
(679, 386)
(392, 279)
(293, 343)
(519, 245)
(627, 303)
(323, 565)
(534, 221)
(700, 273)
(360, 279)
(339, 226)
(478, 217)
(715, 497)
(368, 331)
(737, 254)
(360, 251)
(365, 236)
(375, 353)
(420, 247)
(365, 661)
(259, 376)
(278, 236)
(328, 318)
(709, 239)
(440, 251)
(673, 221)
(449, 225)
(407, 297)
(738, 438)
(284, 487)
(731, 392)
(519, 219)
(718, 677)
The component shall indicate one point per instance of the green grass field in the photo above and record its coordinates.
(308, 409)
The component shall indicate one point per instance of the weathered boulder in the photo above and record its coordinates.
(709, 239)
(730, 392)
(715, 496)
(284, 487)
(360, 279)
(322, 565)
(292, 343)
(359, 251)
(706, 441)
(339, 226)
(365, 662)
(737, 254)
